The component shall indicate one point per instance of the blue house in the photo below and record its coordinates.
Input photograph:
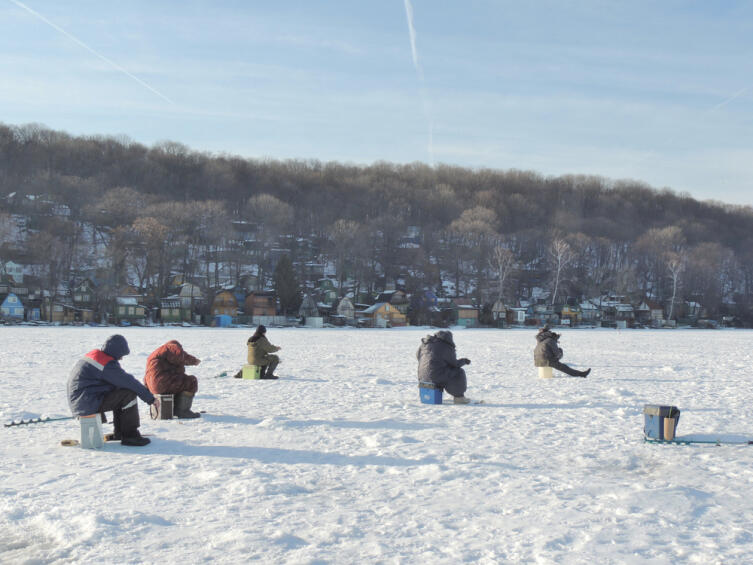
(11, 307)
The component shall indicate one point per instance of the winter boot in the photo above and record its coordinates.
(183, 403)
(461, 400)
(584, 374)
(135, 439)
(266, 373)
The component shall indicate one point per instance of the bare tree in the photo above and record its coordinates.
(676, 265)
(49, 255)
(153, 264)
(470, 236)
(561, 256)
(6, 232)
(343, 233)
(502, 263)
(273, 216)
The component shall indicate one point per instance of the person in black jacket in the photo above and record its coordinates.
(548, 353)
(98, 384)
(438, 364)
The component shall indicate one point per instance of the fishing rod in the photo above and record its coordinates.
(36, 421)
(680, 441)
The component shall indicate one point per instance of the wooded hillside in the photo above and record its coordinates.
(143, 213)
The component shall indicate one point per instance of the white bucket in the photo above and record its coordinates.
(91, 432)
(545, 372)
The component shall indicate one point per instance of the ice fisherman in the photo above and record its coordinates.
(261, 353)
(166, 374)
(98, 384)
(438, 364)
(548, 353)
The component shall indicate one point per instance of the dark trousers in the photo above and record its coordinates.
(565, 369)
(125, 410)
(456, 382)
(272, 362)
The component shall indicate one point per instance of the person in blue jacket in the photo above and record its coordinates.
(98, 384)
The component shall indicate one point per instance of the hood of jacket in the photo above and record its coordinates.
(441, 335)
(546, 334)
(116, 346)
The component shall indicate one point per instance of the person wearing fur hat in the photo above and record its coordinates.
(438, 364)
(261, 353)
(548, 353)
(98, 384)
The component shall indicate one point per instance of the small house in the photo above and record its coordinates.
(128, 310)
(11, 307)
(260, 304)
(382, 315)
(190, 296)
(308, 308)
(170, 311)
(224, 304)
(516, 316)
(33, 309)
(15, 271)
(650, 313)
(82, 295)
(309, 312)
(693, 310)
(572, 313)
(589, 312)
(327, 291)
(346, 309)
(467, 316)
(499, 313)
(396, 298)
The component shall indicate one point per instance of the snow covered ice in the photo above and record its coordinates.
(338, 462)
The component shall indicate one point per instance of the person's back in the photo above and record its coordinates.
(261, 353)
(433, 356)
(166, 370)
(437, 363)
(166, 374)
(546, 351)
(98, 384)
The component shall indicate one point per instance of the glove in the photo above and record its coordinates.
(464, 361)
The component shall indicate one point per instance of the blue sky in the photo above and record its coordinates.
(660, 92)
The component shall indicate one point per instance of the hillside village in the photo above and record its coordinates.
(105, 230)
(89, 297)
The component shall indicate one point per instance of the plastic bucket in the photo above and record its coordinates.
(165, 410)
(670, 424)
(91, 432)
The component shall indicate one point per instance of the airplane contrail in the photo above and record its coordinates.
(92, 51)
(731, 98)
(412, 35)
(420, 72)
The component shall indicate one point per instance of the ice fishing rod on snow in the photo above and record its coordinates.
(36, 421)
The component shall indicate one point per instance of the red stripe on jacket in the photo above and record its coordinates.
(98, 358)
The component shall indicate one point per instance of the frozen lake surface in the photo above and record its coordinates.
(338, 462)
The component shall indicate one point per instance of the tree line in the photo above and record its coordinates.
(144, 213)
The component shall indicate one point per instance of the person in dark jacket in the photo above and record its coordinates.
(438, 364)
(166, 374)
(98, 384)
(548, 353)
